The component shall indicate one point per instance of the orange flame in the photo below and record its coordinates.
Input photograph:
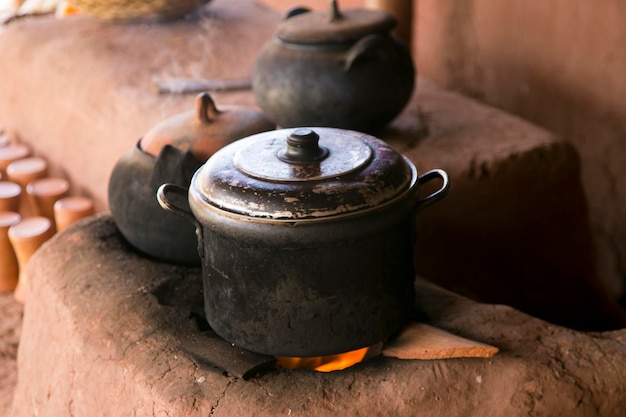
(324, 363)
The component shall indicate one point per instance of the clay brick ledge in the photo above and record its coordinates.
(101, 339)
(514, 228)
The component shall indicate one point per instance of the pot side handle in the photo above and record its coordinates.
(185, 212)
(437, 195)
(362, 47)
(169, 205)
(295, 11)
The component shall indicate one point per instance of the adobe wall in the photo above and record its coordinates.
(559, 64)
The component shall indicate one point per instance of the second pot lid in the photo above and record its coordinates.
(303, 173)
(334, 26)
(205, 129)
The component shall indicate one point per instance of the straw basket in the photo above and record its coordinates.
(137, 9)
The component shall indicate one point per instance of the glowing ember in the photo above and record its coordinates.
(329, 363)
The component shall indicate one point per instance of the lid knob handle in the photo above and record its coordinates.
(302, 147)
(335, 13)
(206, 111)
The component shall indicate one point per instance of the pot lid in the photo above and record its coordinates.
(302, 173)
(334, 26)
(205, 129)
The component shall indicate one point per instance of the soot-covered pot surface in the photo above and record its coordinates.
(307, 239)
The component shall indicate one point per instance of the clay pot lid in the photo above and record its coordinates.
(334, 25)
(303, 173)
(205, 129)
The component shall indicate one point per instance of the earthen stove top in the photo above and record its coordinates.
(105, 334)
(108, 332)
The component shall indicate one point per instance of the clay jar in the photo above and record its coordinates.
(336, 69)
(170, 153)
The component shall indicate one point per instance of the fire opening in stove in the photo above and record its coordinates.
(330, 363)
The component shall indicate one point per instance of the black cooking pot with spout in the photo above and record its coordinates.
(306, 238)
(334, 68)
(171, 152)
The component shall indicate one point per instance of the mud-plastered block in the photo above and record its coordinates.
(103, 328)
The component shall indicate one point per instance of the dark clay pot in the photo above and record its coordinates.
(339, 69)
(171, 152)
(132, 199)
(307, 246)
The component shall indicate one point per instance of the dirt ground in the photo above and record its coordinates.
(10, 329)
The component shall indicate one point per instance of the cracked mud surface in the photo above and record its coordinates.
(112, 329)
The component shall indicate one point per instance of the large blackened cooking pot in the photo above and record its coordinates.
(306, 239)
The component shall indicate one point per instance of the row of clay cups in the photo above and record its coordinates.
(33, 207)
(19, 240)
(38, 194)
(21, 237)
(10, 152)
(37, 198)
(24, 169)
(49, 197)
(29, 191)
(23, 172)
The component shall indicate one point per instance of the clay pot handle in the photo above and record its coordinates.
(437, 195)
(206, 111)
(295, 11)
(361, 48)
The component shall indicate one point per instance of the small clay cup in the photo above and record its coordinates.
(9, 268)
(10, 193)
(12, 152)
(26, 237)
(22, 172)
(44, 192)
(69, 210)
